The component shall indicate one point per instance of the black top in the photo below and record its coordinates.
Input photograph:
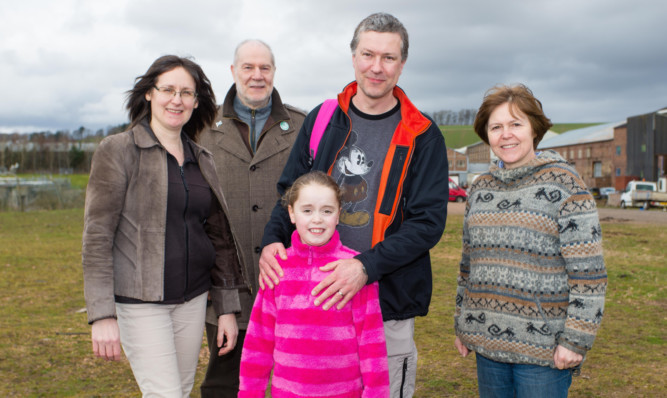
(189, 253)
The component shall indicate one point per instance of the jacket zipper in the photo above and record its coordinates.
(253, 140)
(187, 232)
(393, 184)
(401, 184)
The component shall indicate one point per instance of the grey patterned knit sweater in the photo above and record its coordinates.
(532, 274)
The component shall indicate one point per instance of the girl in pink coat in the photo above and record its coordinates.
(313, 352)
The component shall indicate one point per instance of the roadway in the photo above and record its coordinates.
(607, 214)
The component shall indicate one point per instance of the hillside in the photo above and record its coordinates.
(461, 136)
(563, 127)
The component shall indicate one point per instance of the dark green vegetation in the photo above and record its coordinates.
(45, 347)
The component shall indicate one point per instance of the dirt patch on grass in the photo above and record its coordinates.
(635, 216)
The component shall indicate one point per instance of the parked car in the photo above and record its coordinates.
(456, 193)
(596, 193)
(604, 192)
(645, 194)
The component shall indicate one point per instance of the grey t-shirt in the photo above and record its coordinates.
(358, 170)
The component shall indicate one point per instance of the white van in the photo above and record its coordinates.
(644, 194)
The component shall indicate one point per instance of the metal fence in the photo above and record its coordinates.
(38, 193)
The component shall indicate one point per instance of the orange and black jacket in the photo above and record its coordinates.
(411, 207)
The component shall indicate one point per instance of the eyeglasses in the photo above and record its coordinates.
(186, 95)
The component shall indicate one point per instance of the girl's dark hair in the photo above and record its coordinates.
(314, 177)
(139, 108)
(520, 98)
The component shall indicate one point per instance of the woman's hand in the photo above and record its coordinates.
(565, 359)
(228, 328)
(463, 350)
(106, 339)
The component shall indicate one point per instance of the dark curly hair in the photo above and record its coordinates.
(139, 108)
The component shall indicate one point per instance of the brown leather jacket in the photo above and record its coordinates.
(125, 220)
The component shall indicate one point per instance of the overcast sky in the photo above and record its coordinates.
(68, 63)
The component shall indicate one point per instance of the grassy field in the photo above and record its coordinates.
(460, 136)
(45, 348)
(563, 127)
(76, 180)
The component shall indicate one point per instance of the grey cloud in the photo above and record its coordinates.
(588, 61)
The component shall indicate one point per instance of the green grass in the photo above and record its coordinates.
(563, 127)
(76, 180)
(461, 136)
(45, 348)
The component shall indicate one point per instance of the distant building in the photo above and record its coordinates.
(646, 143)
(620, 158)
(479, 157)
(605, 155)
(458, 164)
(615, 153)
(590, 150)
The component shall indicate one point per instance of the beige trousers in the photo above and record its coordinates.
(162, 343)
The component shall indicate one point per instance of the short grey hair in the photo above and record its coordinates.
(383, 23)
(244, 42)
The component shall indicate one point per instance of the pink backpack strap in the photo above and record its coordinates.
(323, 117)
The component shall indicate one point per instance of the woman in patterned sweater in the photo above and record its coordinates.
(532, 279)
(313, 352)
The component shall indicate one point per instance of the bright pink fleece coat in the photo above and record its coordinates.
(314, 353)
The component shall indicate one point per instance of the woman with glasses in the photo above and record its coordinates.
(156, 238)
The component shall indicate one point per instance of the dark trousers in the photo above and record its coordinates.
(222, 374)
